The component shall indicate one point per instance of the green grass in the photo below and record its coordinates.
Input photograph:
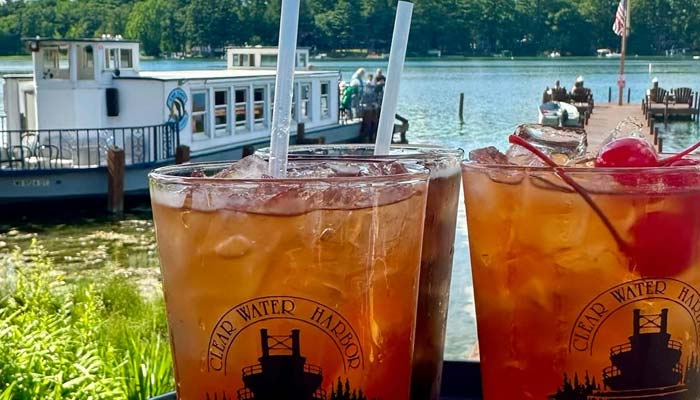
(87, 340)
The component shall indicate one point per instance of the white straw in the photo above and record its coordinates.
(397, 56)
(284, 84)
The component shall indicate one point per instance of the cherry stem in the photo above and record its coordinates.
(670, 160)
(514, 139)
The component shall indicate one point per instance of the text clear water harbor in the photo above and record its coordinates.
(499, 95)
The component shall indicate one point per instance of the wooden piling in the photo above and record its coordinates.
(650, 121)
(182, 154)
(609, 94)
(115, 180)
(301, 136)
(461, 106)
(661, 145)
(629, 94)
(656, 136)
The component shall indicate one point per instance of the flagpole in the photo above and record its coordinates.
(625, 33)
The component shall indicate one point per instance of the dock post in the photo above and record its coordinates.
(301, 133)
(650, 121)
(182, 154)
(461, 106)
(666, 115)
(609, 94)
(661, 145)
(629, 94)
(656, 136)
(115, 180)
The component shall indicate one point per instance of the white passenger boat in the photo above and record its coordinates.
(85, 96)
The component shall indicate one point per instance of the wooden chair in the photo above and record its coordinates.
(683, 96)
(657, 95)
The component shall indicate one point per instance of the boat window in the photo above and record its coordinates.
(56, 63)
(301, 60)
(199, 115)
(259, 107)
(87, 64)
(63, 63)
(241, 109)
(268, 60)
(236, 60)
(221, 112)
(305, 103)
(110, 59)
(325, 99)
(125, 58)
(244, 60)
(252, 60)
(50, 58)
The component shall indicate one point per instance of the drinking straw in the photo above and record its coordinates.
(284, 83)
(397, 56)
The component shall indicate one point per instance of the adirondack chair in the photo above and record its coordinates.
(683, 96)
(656, 95)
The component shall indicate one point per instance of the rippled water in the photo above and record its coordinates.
(499, 95)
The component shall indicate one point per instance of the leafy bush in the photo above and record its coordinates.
(89, 340)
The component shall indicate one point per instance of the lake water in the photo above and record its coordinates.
(499, 95)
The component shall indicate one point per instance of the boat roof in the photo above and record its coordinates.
(262, 47)
(78, 40)
(219, 74)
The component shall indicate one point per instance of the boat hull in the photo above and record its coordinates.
(20, 186)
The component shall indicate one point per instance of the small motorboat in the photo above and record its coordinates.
(557, 113)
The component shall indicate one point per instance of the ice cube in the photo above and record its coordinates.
(251, 167)
(488, 155)
(566, 146)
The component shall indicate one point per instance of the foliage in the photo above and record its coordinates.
(472, 27)
(84, 341)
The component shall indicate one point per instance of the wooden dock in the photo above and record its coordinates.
(607, 117)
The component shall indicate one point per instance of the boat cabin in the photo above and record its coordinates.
(261, 57)
(85, 95)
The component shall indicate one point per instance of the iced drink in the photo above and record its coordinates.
(565, 309)
(438, 249)
(295, 288)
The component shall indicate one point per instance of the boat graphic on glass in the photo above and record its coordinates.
(283, 374)
(649, 366)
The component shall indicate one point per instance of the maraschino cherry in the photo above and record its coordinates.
(627, 152)
(662, 243)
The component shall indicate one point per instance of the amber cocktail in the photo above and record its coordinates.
(438, 249)
(574, 303)
(295, 288)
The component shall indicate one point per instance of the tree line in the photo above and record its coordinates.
(456, 27)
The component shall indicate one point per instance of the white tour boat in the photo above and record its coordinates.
(85, 96)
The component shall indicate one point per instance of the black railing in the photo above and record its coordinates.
(86, 148)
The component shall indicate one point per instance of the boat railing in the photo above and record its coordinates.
(86, 148)
(245, 394)
(623, 348)
(3, 122)
(611, 372)
(252, 370)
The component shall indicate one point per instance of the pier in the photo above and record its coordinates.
(607, 116)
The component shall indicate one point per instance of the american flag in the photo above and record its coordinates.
(620, 18)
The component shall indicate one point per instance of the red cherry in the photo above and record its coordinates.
(663, 244)
(627, 152)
